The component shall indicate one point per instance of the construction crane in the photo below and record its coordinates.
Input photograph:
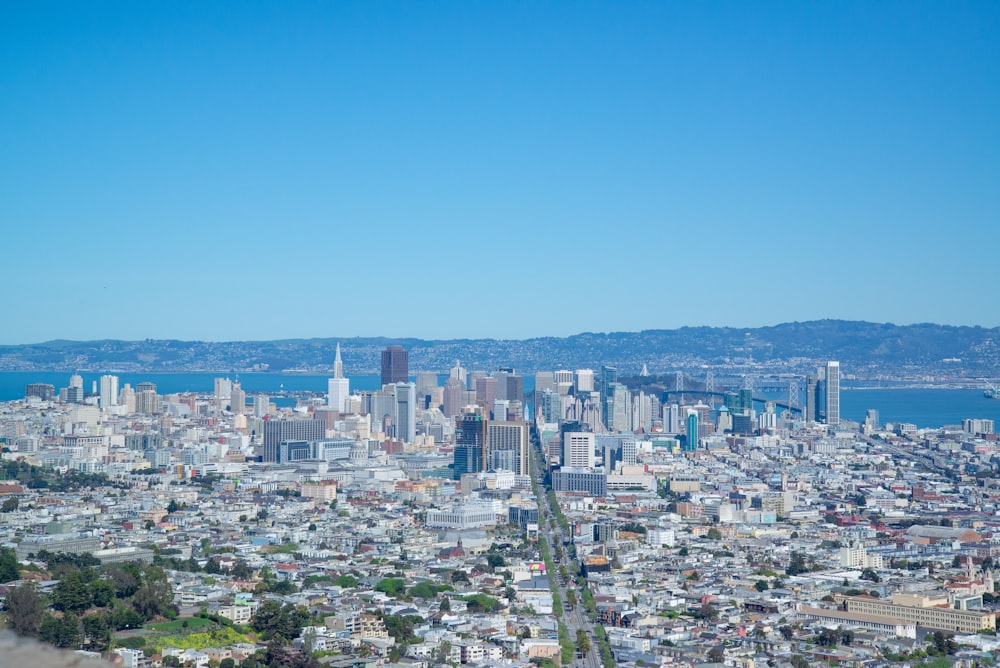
(991, 391)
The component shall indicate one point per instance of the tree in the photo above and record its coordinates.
(124, 579)
(445, 605)
(346, 581)
(241, 571)
(391, 586)
(459, 575)
(787, 632)
(25, 609)
(227, 663)
(279, 622)
(799, 661)
(870, 575)
(72, 594)
(797, 564)
(9, 504)
(102, 593)
(96, 632)
(716, 655)
(442, 653)
(761, 585)
(172, 507)
(9, 569)
(582, 642)
(714, 534)
(60, 631)
(495, 561)
(706, 611)
(155, 596)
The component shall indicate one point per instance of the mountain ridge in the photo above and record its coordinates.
(869, 349)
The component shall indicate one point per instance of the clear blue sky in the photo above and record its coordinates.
(252, 170)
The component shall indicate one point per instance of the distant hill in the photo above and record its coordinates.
(864, 349)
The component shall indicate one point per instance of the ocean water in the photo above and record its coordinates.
(925, 407)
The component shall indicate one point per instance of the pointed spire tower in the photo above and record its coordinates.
(338, 387)
(338, 365)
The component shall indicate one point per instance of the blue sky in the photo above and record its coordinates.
(252, 170)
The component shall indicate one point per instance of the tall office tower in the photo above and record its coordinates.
(473, 378)
(500, 409)
(126, 398)
(459, 372)
(642, 416)
(454, 393)
(871, 421)
(810, 415)
(43, 391)
(544, 380)
(261, 405)
(147, 401)
(238, 399)
(338, 364)
(691, 442)
(550, 406)
(578, 449)
(584, 380)
(507, 437)
(562, 376)
(76, 380)
(486, 391)
(109, 391)
(469, 438)
(672, 419)
(427, 382)
(746, 399)
(405, 417)
(616, 409)
(276, 431)
(609, 377)
(833, 393)
(510, 385)
(223, 389)
(395, 365)
(338, 388)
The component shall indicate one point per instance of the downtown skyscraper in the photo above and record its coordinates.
(833, 393)
(338, 387)
(395, 365)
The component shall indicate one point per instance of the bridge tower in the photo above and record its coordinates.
(710, 382)
(793, 395)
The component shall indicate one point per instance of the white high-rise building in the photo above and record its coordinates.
(223, 389)
(338, 388)
(459, 372)
(833, 393)
(406, 412)
(584, 380)
(578, 449)
(109, 392)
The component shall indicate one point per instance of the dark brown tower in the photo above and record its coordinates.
(395, 365)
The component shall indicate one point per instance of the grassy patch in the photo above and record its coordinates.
(214, 638)
(177, 625)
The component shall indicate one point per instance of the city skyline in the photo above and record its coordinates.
(838, 160)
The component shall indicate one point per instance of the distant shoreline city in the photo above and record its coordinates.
(502, 516)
